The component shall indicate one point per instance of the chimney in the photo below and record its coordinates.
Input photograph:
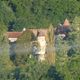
(24, 29)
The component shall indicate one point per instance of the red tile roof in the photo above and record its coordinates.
(66, 23)
(13, 34)
(42, 32)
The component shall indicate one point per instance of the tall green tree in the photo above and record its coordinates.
(6, 13)
(6, 66)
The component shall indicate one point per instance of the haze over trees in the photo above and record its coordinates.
(17, 14)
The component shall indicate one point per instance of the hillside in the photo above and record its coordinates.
(16, 14)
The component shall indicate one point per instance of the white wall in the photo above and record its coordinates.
(12, 39)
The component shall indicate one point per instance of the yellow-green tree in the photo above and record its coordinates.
(50, 45)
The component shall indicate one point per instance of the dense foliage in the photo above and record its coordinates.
(16, 14)
(6, 65)
(68, 53)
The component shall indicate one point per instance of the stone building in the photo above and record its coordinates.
(40, 35)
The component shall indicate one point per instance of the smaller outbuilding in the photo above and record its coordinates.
(63, 29)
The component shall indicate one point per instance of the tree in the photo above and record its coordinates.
(68, 54)
(37, 71)
(73, 66)
(76, 23)
(39, 14)
(3, 30)
(62, 48)
(23, 48)
(6, 66)
(50, 46)
(75, 36)
(6, 13)
(74, 51)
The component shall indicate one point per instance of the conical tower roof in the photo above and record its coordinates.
(66, 23)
